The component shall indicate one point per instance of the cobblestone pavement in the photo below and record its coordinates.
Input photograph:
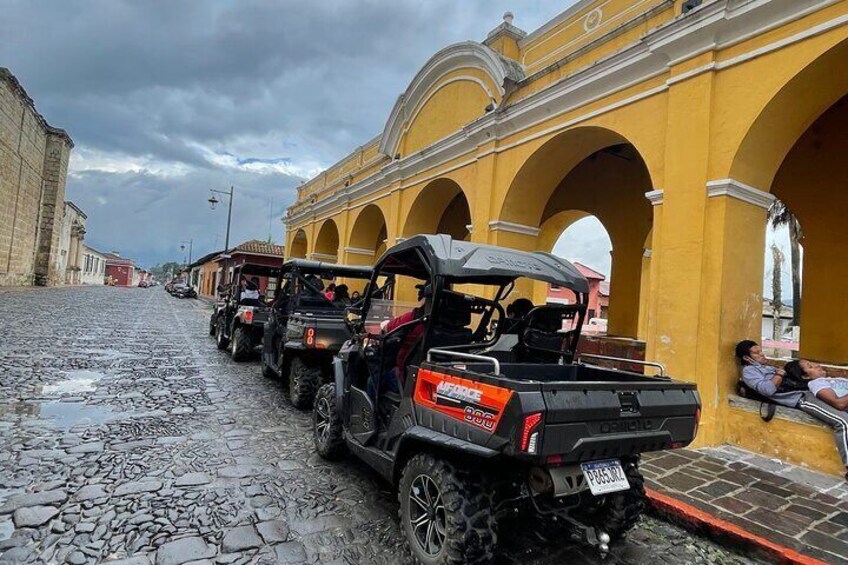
(126, 435)
(786, 504)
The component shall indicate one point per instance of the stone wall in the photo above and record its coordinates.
(33, 169)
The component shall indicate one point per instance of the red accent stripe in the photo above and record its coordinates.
(694, 517)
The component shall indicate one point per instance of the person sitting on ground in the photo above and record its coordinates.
(341, 296)
(827, 400)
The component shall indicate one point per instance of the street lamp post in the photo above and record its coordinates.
(182, 248)
(213, 201)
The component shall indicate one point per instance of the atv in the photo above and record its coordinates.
(306, 328)
(239, 316)
(475, 420)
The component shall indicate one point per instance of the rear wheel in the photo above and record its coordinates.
(304, 379)
(212, 321)
(220, 338)
(618, 512)
(446, 513)
(327, 424)
(241, 346)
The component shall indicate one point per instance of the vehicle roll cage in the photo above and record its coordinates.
(442, 262)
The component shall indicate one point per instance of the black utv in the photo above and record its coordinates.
(306, 327)
(476, 417)
(239, 315)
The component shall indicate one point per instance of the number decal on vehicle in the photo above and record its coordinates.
(477, 404)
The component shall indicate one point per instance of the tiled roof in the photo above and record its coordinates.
(260, 247)
(588, 272)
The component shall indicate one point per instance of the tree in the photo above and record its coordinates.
(776, 293)
(780, 215)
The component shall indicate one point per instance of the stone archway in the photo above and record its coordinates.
(367, 237)
(795, 150)
(599, 172)
(327, 243)
(299, 246)
(440, 207)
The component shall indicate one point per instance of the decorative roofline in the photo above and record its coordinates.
(10, 79)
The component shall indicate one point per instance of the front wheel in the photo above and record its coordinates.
(241, 345)
(327, 424)
(446, 513)
(304, 378)
(212, 326)
(221, 339)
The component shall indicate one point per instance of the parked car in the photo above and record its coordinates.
(479, 424)
(306, 329)
(239, 320)
(183, 290)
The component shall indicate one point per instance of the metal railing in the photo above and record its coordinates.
(659, 366)
(471, 356)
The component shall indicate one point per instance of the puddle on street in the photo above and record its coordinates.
(65, 415)
(79, 381)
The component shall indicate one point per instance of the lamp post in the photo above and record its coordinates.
(213, 202)
(182, 248)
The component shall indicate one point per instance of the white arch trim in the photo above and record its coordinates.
(468, 54)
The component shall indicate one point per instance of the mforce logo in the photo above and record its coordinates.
(459, 392)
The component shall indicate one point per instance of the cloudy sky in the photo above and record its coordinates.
(165, 99)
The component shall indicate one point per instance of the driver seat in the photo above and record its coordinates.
(541, 340)
(451, 318)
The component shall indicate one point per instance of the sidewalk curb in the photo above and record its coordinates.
(697, 520)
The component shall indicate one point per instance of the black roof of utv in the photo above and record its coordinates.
(471, 263)
(320, 267)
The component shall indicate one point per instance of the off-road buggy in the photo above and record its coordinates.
(306, 328)
(493, 419)
(239, 316)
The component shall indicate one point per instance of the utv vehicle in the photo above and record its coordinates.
(488, 420)
(306, 329)
(239, 317)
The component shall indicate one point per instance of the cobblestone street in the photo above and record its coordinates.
(127, 435)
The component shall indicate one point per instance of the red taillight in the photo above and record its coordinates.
(529, 437)
(309, 337)
(248, 316)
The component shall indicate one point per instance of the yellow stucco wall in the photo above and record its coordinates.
(700, 110)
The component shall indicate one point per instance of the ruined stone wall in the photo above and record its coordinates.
(33, 167)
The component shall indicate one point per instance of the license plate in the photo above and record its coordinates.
(604, 477)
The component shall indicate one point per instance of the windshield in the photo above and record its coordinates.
(383, 311)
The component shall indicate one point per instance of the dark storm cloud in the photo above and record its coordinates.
(165, 86)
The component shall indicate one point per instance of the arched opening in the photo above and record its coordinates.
(299, 245)
(440, 207)
(586, 243)
(812, 183)
(795, 149)
(368, 236)
(589, 171)
(327, 243)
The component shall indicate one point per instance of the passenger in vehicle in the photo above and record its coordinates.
(355, 297)
(392, 378)
(248, 292)
(515, 314)
(341, 296)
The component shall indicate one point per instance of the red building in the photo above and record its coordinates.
(207, 273)
(598, 293)
(120, 271)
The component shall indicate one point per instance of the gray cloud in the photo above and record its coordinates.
(165, 98)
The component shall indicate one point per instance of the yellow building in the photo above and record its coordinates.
(675, 128)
